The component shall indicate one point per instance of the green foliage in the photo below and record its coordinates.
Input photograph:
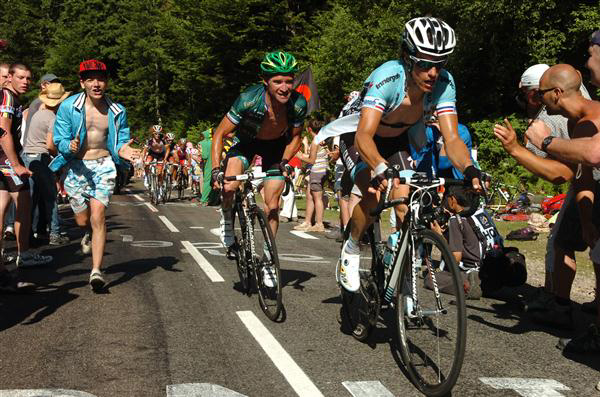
(183, 62)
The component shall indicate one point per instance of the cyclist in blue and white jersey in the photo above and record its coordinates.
(396, 99)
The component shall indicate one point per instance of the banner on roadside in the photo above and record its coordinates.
(305, 84)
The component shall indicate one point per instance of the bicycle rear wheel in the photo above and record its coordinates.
(431, 329)
(241, 250)
(266, 266)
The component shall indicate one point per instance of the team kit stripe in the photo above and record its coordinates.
(446, 108)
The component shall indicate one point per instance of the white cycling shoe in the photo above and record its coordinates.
(348, 271)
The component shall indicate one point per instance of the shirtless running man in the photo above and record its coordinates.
(91, 134)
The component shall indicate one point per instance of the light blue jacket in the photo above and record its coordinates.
(70, 123)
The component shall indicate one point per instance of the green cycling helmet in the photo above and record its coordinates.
(279, 62)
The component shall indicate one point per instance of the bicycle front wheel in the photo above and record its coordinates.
(241, 249)
(431, 315)
(154, 190)
(266, 266)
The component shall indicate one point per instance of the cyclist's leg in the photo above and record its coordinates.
(234, 165)
(272, 191)
(400, 158)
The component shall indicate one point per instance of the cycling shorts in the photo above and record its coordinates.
(396, 150)
(271, 152)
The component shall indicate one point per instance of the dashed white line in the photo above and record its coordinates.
(152, 208)
(527, 387)
(196, 227)
(303, 235)
(216, 231)
(208, 269)
(138, 197)
(127, 238)
(301, 383)
(168, 224)
(367, 388)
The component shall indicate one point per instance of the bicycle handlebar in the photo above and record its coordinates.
(249, 176)
(417, 180)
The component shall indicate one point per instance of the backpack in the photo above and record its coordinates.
(500, 266)
(524, 234)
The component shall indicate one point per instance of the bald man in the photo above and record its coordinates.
(559, 92)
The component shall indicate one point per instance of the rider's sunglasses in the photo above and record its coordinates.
(426, 64)
(539, 94)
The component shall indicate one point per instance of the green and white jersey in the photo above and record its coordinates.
(250, 109)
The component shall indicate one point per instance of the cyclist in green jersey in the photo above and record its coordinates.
(267, 119)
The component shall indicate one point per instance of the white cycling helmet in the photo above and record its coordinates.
(430, 36)
(170, 136)
(157, 128)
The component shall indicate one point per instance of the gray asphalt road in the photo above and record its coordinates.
(167, 328)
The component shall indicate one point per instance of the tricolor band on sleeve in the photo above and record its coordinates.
(374, 103)
(233, 117)
(445, 108)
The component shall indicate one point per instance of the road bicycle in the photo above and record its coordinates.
(402, 276)
(254, 249)
(168, 182)
(153, 185)
(181, 182)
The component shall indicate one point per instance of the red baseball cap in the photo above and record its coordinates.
(92, 65)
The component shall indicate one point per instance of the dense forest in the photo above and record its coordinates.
(183, 62)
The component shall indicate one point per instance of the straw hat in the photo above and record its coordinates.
(54, 94)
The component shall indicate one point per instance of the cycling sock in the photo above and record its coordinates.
(352, 246)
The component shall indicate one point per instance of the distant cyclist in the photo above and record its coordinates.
(155, 150)
(267, 119)
(396, 99)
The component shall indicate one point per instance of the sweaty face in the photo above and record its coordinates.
(426, 77)
(593, 64)
(20, 81)
(279, 87)
(94, 85)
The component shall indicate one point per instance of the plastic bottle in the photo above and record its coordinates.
(390, 250)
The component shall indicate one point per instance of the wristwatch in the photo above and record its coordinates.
(546, 142)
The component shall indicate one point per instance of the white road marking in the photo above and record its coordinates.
(302, 258)
(303, 235)
(196, 227)
(527, 387)
(201, 389)
(152, 244)
(367, 389)
(208, 269)
(301, 384)
(168, 224)
(127, 238)
(216, 231)
(44, 393)
(152, 208)
(137, 197)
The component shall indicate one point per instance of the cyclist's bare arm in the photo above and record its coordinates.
(292, 148)
(225, 128)
(456, 150)
(367, 126)
(167, 153)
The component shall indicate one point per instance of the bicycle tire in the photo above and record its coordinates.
(415, 329)
(361, 309)
(168, 187)
(154, 195)
(242, 251)
(180, 187)
(270, 299)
